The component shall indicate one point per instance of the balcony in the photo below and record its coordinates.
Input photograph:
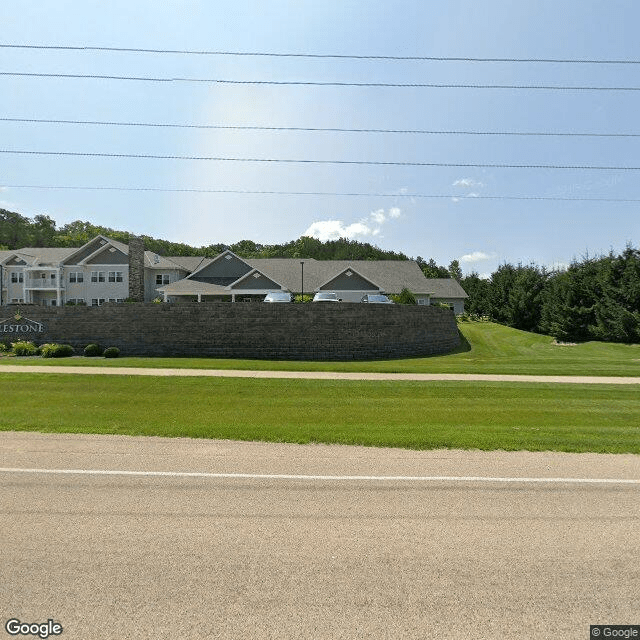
(46, 284)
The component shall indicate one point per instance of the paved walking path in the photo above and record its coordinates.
(317, 375)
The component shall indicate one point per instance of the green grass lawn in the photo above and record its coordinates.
(509, 416)
(486, 348)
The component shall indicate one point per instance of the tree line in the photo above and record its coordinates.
(17, 231)
(595, 298)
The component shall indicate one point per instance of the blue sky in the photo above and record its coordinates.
(482, 233)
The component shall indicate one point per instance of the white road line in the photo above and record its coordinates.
(284, 476)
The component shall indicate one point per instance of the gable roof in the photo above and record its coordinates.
(34, 256)
(124, 248)
(390, 275)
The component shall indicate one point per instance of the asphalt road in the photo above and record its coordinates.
(183, 556)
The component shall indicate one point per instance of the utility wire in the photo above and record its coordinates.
(424, 85)
(323, 129)
(455, 196)
(87, 154)
(315, 55)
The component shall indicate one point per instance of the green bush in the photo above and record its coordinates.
(56, 350)
(404, 297)
(304, 298)
(24, 348)
(3, 348)
(111, 352)
(93, 350)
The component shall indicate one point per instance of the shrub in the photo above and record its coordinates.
(304, 298)
(111, 352)
(56, 350)
(2, 347)
(404, 297)
(24, 348)
(93, 350)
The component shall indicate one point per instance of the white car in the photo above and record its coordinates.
(377, 298)
(278, 296)
(326, 296)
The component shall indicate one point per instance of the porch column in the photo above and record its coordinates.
(59, 288)
(233, 297)
(199, 297)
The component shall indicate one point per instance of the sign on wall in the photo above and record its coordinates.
(18, 324)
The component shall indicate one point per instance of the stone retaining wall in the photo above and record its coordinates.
(321, 331)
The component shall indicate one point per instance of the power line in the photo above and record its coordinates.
(455, 196)
(87, 154)
(323, 129)
(410, 85)
(272, 54)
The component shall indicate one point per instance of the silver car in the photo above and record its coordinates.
(377, 298)
(278, 296)
(326, 296)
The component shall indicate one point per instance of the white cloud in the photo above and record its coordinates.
(477, 256)
(467, 183)
(366, 228)
(378, 216)
(333, 229)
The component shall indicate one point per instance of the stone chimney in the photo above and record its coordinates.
(136, 269)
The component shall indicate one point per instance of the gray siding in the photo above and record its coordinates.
(109, 257)
(94, 245)
(343, 282)
(261, 282)
(223, 268)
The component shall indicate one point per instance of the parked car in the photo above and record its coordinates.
(278, 296)
(376, 298)
(326, 296)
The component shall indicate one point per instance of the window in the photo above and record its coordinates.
(76, 276)
(17, 276)
(115, 276)
(96, 302)
(53, 277)
(54, 303)
(97, 276)
(162, 278)
(17, 300)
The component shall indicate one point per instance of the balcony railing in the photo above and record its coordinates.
(43, 283)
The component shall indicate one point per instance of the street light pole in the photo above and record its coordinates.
(302, 295)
